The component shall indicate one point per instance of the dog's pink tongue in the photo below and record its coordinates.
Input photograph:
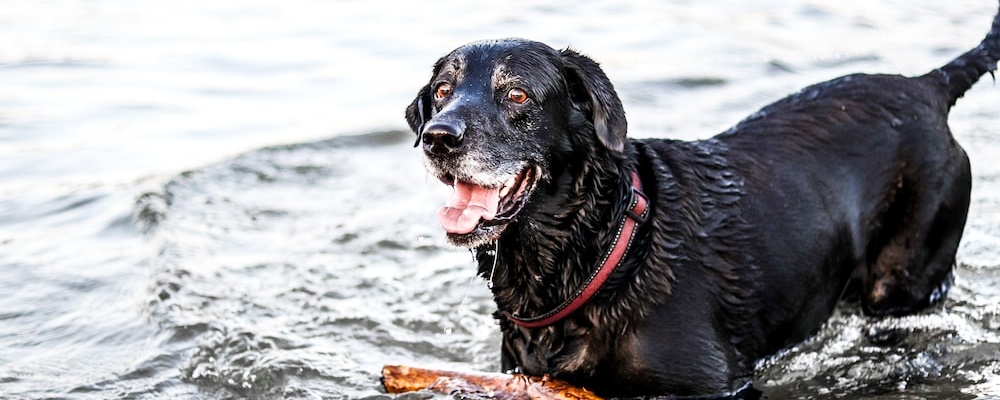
(466, 206)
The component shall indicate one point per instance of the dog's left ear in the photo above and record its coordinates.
(593, 93)
(419, 112)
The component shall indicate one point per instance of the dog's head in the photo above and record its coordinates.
(498, 117)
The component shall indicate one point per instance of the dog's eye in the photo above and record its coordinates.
(443, 90)
(517, 96)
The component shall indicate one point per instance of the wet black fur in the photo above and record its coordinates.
(853, 185)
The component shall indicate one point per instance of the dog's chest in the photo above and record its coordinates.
(565, 352)
(552, 350)
(592, 360)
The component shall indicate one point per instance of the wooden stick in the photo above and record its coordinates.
(400, 379)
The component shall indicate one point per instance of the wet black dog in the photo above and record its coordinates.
(747, 242)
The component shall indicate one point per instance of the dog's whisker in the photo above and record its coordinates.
(496, 255)
(461, 306)
(468, 290)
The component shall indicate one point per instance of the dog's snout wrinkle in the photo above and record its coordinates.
(443, 137)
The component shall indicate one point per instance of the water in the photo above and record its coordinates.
(299, 252)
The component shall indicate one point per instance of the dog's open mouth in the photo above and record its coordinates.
(474, 210)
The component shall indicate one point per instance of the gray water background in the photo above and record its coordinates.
(219, 199)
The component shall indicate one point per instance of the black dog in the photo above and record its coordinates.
(655, 267)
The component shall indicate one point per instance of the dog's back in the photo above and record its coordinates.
(869, 182)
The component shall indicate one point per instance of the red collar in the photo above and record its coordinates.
(636, 215)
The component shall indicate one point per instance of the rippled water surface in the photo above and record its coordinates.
(219, 200)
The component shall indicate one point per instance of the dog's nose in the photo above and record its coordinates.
(443, 137)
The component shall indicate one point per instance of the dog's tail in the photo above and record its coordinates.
(961, 73)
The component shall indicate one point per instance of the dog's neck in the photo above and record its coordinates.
(544, 257)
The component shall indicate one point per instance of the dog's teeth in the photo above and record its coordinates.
(507, 186)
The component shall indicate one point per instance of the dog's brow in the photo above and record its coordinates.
(532, 72)
(454, 67)
(501, 76)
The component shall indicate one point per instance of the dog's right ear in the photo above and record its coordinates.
(419, 112)
(593, 93)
